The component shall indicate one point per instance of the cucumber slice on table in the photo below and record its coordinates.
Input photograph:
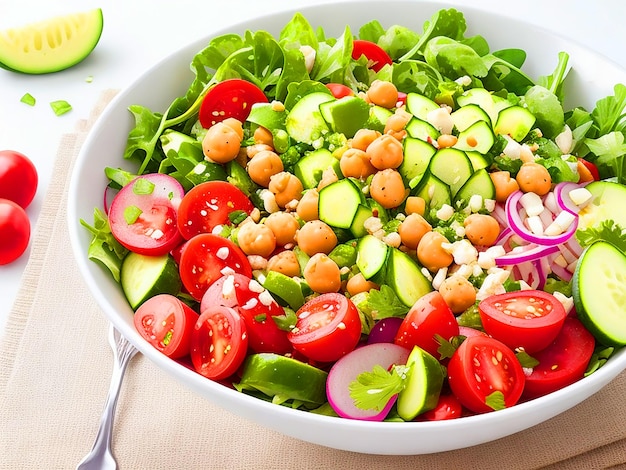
(599, 295)
(51, 45)
(144, 276)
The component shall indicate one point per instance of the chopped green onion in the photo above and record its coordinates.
(131, 214)
(143, 187)
(60, 107)
(28, 99)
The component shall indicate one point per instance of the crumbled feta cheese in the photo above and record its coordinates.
(493, 283)
(228, 288)
(532, 203)
(465, 270)
(372, 224)
(565, 140)
(392, 239)
(560, 224)
(490, 204)
(487, 258)
(462, 251)
(475, 202)
(269, 201)
(255, 287)
(222, 253)
(580, 196)
(445, 212)
(441, 120)
(257, 262)
(266, 298)
(309, 57)
(465, 80)
(427, 274)
(535, 225)
(440, 277)
(512, 149)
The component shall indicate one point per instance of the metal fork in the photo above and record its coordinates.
(101, 456)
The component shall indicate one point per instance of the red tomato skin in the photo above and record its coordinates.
(219, 342)
(152, 317)
(401, 98)
(18, 178)
(448, 407)
(159, 211)
(563, 362)
(14, 231)
(428, 317)
(339, 90)
(373, 52)
(533, 333)
(208, 205)
(328, 327)
(203, 259)
(593, 169)
(496, 366)
(256, 310)
(231, 98)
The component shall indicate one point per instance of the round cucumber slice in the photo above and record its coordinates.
(51, 45)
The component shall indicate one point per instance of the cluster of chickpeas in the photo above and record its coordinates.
(293, 212)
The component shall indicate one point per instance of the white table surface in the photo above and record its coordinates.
(137, 33)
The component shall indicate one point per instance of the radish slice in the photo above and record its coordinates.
(348, 368)
(384, 331)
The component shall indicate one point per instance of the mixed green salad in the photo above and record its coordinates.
(384, 225)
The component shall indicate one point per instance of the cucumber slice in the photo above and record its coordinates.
(363, 213)
(417, 155)
(378, 118)
(346, 115)
(423, 385)
(599, 295)
(480, 183)
(51, 45)
(515, 121)
(607, 204)
(371, 255)
(465, 116)
(144, 276)
(309, 168)
(480, 97)
(339, 202)
(419, 105)
(422, 130)
(452, 167)
(305, 123)
(435, 192)
(477, 137)
(405, 277)
(479, 160)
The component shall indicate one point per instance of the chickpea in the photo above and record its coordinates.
(256, 239)
(328, 177)
(221, 143)
(355, 163)
(385, 152)
(264, 136)
(307, 208)
(284, 225)
(415, 205)
(316, 237)
(431, 254)
(285, 263)
(357, 284)
(397, 122)
(387, 188)
(533, 177)
(412, 229)
(503, 184)
(383, 93)
(363, 138)
(236, 125)
(252, 150)
(481, 229)
(322, 274)
(446, 140)
(286, 188)
(458, 293)
(263, 166)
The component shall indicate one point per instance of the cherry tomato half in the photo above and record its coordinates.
(166, 323)
(219, 342)
(481, 366)
(143, 214)
(529, 319)
(375, 54)
(18, 178)
(207, 205)
(257, 307)
(230, 98)
(339, 90)
(563, 362)
(448, 407)
(328, 327)
(204, 259)
(429, 316)
(594, 174)
(14, 231)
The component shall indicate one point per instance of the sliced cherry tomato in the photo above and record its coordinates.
(430, 316)
(18, 178)
(208, 205)
(230, 98)
(14, 231)
(594, 174)
(448, 407)
(143, 214)
(204, 259)
(529, 319)
(339, 90)
(166, 323)
(375, 54)
(563, 362)
(401, 98)
(219, 342)
(482, 366)
(328, 327)
(257, 307)
(468, 331)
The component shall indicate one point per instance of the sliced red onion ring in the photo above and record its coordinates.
(526, 253)
(561, 272)
(561, 191)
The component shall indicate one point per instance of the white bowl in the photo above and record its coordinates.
(591, 78)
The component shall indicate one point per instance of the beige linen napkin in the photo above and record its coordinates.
(55, 365)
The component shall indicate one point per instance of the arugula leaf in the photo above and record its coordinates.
(554, 82)
(373, 31)
(547, 109)
(333, 58)
(397, 40)
(453, 58)
(450, 23)
(298, 32)
(373, 390)
(607, 231)
(609, 111)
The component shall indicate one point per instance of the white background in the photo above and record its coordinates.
(138, 33)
